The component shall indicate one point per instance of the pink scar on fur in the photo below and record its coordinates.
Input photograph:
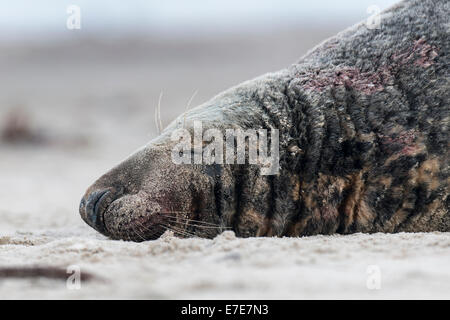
(348, 77)
(420, 54)
(404, 139)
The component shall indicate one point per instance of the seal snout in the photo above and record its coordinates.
(92, 207)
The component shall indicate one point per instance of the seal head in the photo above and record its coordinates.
(147, 194)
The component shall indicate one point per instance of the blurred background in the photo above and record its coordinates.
(75, 102)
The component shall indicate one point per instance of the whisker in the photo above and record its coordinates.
(179, 231)
(196, 225)
(156, 121)
(207, 231)
(188, 233)
(159, 112)
(166, 228)
(135, 231)
(188, 105)
(153, 232)
(190, 220)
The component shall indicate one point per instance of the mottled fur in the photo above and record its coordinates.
(364, 144)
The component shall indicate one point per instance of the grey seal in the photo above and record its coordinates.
(363, 122)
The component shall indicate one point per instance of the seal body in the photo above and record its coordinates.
(363, 124)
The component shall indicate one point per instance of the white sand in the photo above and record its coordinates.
(411, 266)
(106, 96)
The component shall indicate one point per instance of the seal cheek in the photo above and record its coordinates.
(133, 217)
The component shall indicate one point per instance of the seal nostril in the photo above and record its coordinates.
(91, 206)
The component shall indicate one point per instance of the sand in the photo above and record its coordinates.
(89, 104)
(330, 267)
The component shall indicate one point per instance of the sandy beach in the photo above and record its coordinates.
(72, 109)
